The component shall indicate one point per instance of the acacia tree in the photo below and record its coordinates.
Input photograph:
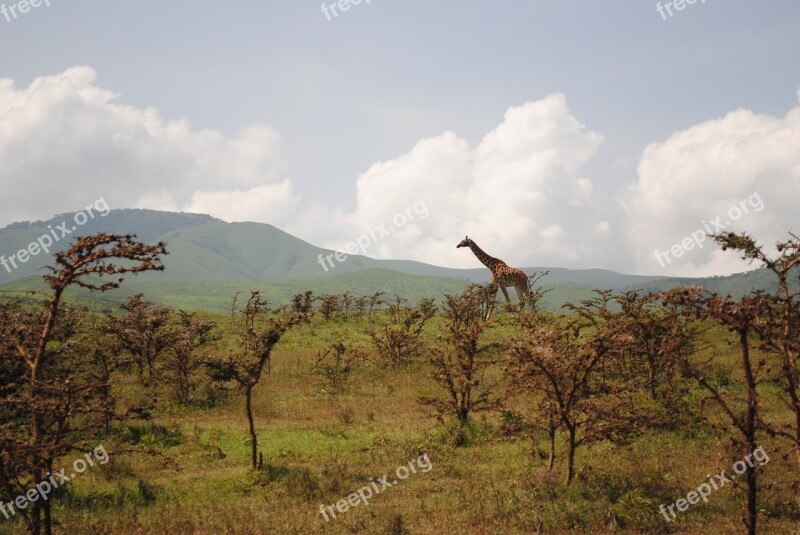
(183, 362)
(552, 364)
(740, 318)
(648, 335)
(334, 366)
(360, 306)
(346, 304)
(55, 404)
(246, 369)
(398, 339)
(374, 301)
(563, 363)
(461, 362)
(145, 332)
(643, 337)
(303, 303)
(779, 323)
(329, 305)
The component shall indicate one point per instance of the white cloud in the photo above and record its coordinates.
(519, 193)
(64, 142)
(524, 192)
(702, 173)
(272, 202)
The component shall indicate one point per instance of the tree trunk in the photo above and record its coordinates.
(184, 382)
(790, 359)
(48, 522)
(459, 438)
(571, 455)
(752, 487)
(794, 398)
(36, 521)
(750, 433)
(797, 433)
(752, 501)
(551, 460)
(651, 381)
(248, 397)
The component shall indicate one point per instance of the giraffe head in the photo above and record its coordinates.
(466, 242)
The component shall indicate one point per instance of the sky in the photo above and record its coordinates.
(577, 133)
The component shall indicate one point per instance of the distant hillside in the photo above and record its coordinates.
(736, 285)
(216, 296)
(210, 259)
(203, 248)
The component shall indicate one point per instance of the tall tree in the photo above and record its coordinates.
(740, 318)
(56, 405)
(460, 363)
(779, 323)
(246, 369)
(563, 364)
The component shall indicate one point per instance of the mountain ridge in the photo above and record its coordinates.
(206, 250)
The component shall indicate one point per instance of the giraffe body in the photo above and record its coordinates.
(503, 275)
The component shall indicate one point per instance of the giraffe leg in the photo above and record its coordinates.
(491, 297)
(505, 293)
(522, 294)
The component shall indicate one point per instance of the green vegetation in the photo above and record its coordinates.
(249, 418)
(319, 448)
(210, 259)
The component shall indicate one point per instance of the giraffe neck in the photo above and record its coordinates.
(488, 261)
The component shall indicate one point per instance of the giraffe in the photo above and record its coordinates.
(502, 276)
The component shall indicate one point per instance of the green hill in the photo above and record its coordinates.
(209, 260)
(216, 296)
(203, 248)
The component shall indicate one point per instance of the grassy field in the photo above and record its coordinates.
(216, 296)
(318, 449)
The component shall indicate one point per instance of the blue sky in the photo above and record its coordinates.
(342, 96)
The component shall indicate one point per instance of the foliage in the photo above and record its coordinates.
(334, 366)
(59, 404)
(459, 366)
(184, 362)
(143, 333)
(397, 338)
(328, 305)
(616, 384)
(564, 362)
(256, 344)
